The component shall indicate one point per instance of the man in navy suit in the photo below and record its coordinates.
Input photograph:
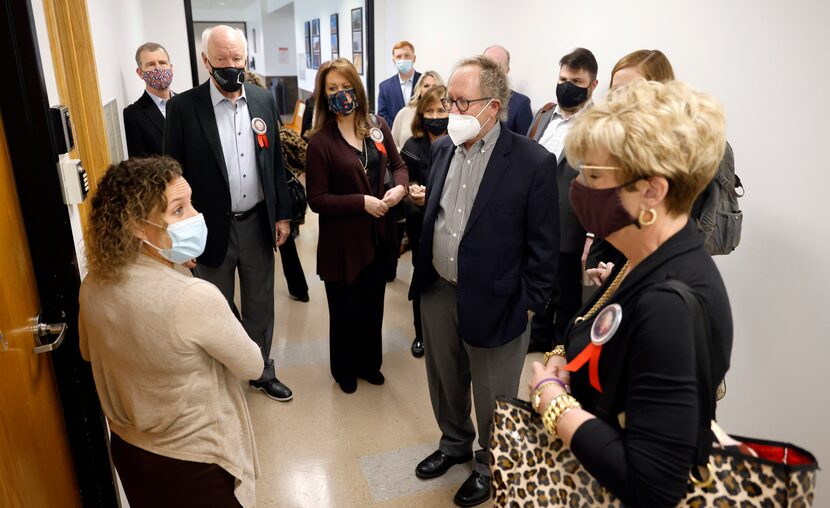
(144, 119)
(519, 113)
(489, 251)
(396, 91)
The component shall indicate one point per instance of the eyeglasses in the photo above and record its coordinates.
(462, 104)
(602, 168)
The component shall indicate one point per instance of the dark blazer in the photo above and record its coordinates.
(192, 138)
(648, 463)
(390, 99)
(508, 255)
(144, 127)
(519, 114)
(336, 185)
(572, 234)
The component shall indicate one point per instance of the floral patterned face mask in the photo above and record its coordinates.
(158, 78)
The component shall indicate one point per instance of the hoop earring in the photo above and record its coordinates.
(651, 221)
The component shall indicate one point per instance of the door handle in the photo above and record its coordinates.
(42, 330)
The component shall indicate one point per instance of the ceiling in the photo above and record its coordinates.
(222, 4)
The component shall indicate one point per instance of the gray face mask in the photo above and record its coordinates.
(188, 239)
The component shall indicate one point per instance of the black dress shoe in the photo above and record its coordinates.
(474, 491)
(418, 347)
(300, 298)
(375, 378)
(274, 389)
(348, 386)
(438, 463)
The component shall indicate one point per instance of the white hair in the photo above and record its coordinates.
(208, 31)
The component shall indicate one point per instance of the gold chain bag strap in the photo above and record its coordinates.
(530, 468)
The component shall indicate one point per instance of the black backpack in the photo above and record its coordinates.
(718, 212)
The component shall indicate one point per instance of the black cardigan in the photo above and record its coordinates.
(647, 463)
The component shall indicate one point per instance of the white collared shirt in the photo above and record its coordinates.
(553, 139)
(406, 88)
(237, 137)
(160, 103)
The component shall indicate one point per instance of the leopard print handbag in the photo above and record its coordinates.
(529, 469)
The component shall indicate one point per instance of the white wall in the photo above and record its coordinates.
(119, 28)
(278, 32)
(306, 11)
(765, 61)
(252, 16)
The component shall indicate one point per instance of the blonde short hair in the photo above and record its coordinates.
(655, 129)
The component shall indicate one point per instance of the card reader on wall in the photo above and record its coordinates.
(73, 177)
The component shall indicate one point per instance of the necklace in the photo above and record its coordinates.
(605, 296)
(365, 161)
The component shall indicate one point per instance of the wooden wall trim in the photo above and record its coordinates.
(73, 57)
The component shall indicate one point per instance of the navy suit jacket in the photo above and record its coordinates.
(144, 127)
(509, 252)
(192, 138)
(390, 98)
(519, 114)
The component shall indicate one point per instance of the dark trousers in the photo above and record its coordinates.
(155, 481)
(292, 268)
(355, 321)
(454, 368)
(393, 254)
(414, 226)
(251, 252)
(548, 328)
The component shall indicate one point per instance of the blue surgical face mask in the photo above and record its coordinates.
(338, 102)
(404, 66)
(188, 239)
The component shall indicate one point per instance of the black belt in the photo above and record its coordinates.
(238, 216)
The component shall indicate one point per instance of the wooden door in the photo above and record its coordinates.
(36, 467)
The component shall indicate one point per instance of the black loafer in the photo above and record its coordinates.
(300, 298)
(375, 378)
(438, 463)
(474, 491)
(274, 389)
(418, 347)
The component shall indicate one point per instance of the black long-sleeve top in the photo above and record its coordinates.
(646, 463)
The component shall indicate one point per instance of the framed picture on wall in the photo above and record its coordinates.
(357, 39)
(315, 43)
(335, 40)
(308, 44)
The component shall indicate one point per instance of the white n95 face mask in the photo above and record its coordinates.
(462, 128)
(188, 239)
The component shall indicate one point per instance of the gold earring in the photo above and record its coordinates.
(653, 219)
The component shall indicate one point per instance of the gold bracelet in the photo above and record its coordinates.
(557, 407)
(557, 351)
(536, 397)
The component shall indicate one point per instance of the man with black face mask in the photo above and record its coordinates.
(226, 137)
(576, 85)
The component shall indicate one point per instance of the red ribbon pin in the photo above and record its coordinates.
(604, 327)
(260, 128)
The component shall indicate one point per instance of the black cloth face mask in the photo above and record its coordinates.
(229, 79)
(435, 126)
(570, 95)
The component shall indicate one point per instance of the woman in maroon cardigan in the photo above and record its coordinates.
(349, 155)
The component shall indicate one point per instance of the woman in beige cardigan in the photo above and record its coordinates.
(167, 353)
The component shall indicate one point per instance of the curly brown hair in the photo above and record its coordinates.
(130, 191)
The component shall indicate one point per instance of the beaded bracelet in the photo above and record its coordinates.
(554, 379)
(536, 396)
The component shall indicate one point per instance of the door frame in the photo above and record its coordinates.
(25, 111)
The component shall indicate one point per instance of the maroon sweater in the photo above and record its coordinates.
(336, 184)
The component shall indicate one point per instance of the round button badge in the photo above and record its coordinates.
(606, 324)
(258, 125)
(376, 135)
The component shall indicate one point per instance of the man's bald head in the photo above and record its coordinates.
(222, 38)
(500, 55)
